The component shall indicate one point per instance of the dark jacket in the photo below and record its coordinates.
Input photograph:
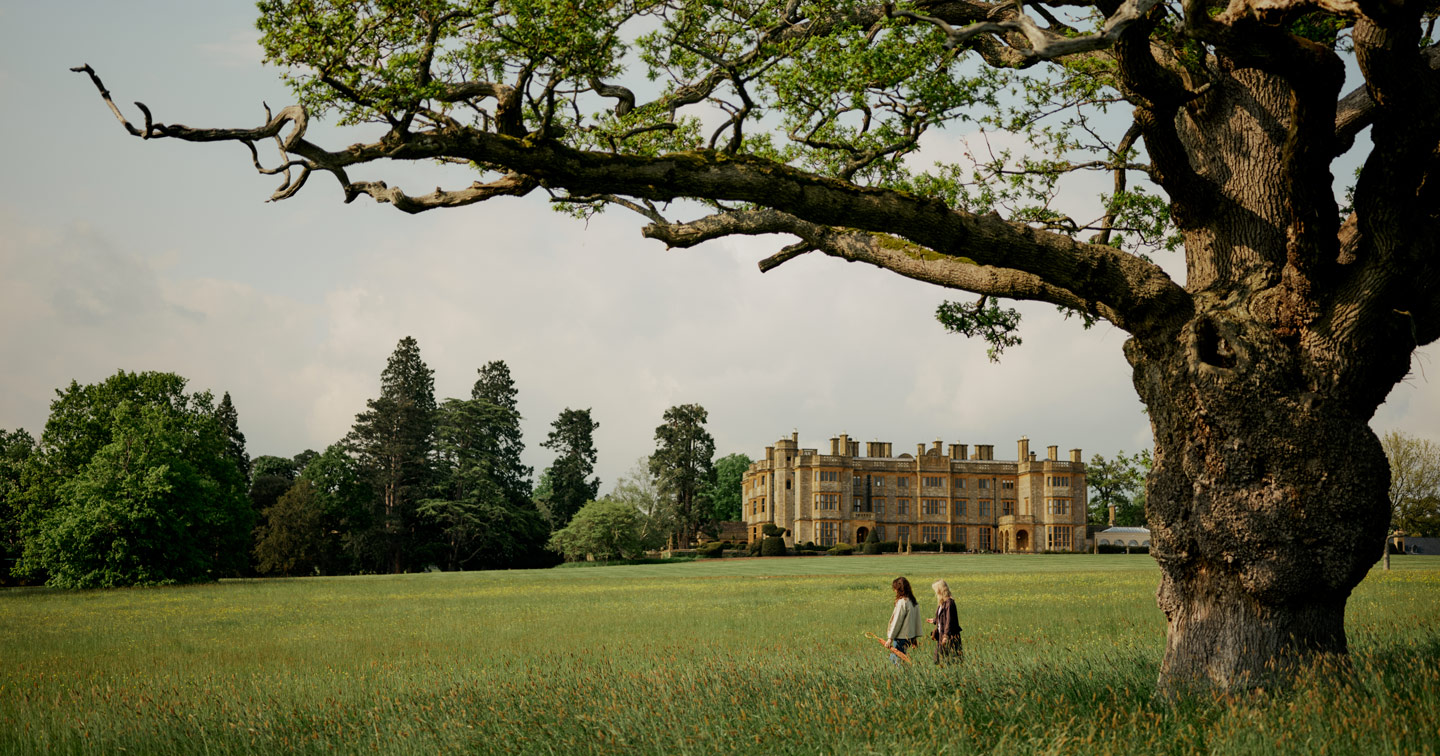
(947, 630)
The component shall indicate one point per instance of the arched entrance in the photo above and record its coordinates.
(861, 534)
(1022, 540)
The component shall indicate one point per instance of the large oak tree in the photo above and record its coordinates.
(1219, 123)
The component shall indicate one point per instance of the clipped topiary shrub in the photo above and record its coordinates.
(841, 549)
(773, 546)
(711, 550)
(872, 543)
(889, 547)
(753, 548)
(771, 530)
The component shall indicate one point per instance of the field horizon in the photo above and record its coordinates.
(762, 655)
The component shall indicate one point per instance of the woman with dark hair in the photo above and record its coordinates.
(947, 626)
(904, 620)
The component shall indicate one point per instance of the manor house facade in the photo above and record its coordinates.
(969, 501)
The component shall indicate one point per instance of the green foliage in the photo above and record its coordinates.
(724, 494)
(1414, 484)
(772, 530)
(683, 470)
(872, 542)
(392, 440)
(345, 500)
(481, 503)
(711, 549)
(1115, 482)
(16, 450)
(229, 420)
(572, 438)
(604, 529)
(290, 540)
(137, 487)
(638, 489)
(772, 546)
(996, 326)
(841, 549)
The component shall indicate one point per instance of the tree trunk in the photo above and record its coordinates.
(1266, 504)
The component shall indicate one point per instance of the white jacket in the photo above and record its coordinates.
(905, 622)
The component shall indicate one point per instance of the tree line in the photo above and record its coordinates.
(134, 481)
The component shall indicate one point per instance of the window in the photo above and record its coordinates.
(959, 484)
(957, 535)
(827, 476)
(828, 501)
(960, 508)
(902, 482)
(878, 505)
(1058, 481)
(1007, 485)
(984, 508)
(827, 534)
(1058, 506)
(932, 533)
(984, 485)
(787, 482)
(879, 481)
(934, 482)
(985, 539)
(880, 532)
(1007, 507)
(932, 506)
(902, 506)
(1057, 538)
(902, 533)
(859, 505)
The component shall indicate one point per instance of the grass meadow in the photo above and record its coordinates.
(734, 656)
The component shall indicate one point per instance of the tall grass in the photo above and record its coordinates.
(756, 656)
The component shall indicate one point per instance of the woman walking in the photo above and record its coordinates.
(946, 633)
(904, 621)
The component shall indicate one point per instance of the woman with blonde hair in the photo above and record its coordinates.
(904, 620)
(946, 633)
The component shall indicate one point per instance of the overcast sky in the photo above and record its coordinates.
(122, 254)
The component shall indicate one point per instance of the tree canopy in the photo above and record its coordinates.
(135, 484)
(1219, 125)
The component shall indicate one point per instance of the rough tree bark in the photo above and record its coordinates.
(1261, 372)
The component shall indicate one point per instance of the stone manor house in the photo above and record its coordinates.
(968, 500)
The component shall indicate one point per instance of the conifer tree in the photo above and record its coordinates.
(683, 468)
(573, 441)
(229, 420)
(393, 440)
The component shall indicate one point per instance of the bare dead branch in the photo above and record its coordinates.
(512, 185)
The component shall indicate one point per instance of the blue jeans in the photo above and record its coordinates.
(902, 645)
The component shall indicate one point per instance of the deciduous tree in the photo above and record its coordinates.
(1111, 483)
(137, 486)
(603, 530)
(724, 493)
(1414, 483)
(16, 449)
(1219, 123)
